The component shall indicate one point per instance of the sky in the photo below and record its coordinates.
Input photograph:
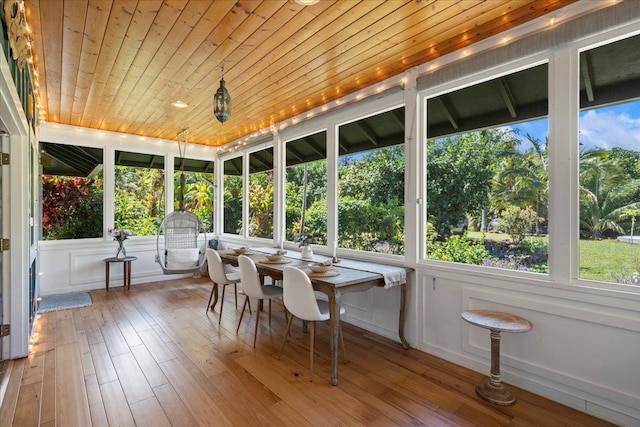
(607, 127)
(615, 126)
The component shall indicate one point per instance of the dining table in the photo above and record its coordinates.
(344, 276)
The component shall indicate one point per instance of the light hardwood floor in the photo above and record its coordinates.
(151, 357)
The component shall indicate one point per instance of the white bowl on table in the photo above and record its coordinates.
(274, 257)
(320, 268)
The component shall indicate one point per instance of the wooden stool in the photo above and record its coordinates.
(492, 389)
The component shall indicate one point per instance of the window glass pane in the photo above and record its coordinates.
(609, 178)
(198, 189)
(261, 193)
(371, 184)
(232, 182)
(72, 192)
(487, 173)
(306, 189)
(139, 192)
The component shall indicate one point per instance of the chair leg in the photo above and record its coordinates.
(312, 344)
(246, 298)
(269, 313)
(213, 289)
(250, 312)
(286, 335)
(224, 287)
(235, 291)
(255, 333)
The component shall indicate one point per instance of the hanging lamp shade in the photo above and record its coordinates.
(222, 103)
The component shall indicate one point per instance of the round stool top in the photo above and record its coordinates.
(497, 320)
(124, 259)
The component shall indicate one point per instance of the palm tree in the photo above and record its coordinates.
(606, 194)
(523, 180)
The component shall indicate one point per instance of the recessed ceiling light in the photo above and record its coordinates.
(179, 104)
(307, 2)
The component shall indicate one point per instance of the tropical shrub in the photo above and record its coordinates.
(71, 207)
(518, 222)
(459, 249)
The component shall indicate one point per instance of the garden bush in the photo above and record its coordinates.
(458, 249)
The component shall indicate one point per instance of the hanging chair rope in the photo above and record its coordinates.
(182, 149)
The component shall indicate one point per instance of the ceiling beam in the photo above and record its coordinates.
(209, 165)
(82, 163)
(587, 76)
(507, 97)
(314, 146)
(448, 111)
(295, 153)
(398, 115)
(257, 159)
(367, 132)
(233, 165)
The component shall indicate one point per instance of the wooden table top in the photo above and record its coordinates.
(346, 278)
(497, 320)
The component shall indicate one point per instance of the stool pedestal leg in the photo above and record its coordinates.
(492, 390)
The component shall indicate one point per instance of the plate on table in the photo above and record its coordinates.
(242, 251)
(328, 273)
(280, 260)
(320, 267)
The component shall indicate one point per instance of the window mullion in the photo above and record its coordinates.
(563, 174)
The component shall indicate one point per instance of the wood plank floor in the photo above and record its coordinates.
(151, 357)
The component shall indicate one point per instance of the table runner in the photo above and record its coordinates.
(393, 275)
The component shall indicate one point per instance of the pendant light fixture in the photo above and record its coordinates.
(222, 102)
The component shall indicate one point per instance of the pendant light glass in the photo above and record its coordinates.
(222, 102)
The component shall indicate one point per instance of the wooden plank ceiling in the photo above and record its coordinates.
(119, 64)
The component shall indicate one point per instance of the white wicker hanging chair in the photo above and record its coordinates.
(177, 240)
(177, 244)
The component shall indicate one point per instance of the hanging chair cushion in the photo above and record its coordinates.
(182, 258)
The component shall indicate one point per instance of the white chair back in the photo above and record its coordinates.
(298, 295)
(250, 278)
(216, 267)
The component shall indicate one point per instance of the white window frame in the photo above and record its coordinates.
(448, 87)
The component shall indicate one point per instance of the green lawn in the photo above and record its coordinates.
(598, 258)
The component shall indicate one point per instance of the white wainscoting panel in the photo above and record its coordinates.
(579, 352)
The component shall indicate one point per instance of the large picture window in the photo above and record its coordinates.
(609, 162)
(198, 189)
(487, 173)
(72, 191)
(261, 193)
(233, 194)
(139, 192)
(371, 184)
(306, 189)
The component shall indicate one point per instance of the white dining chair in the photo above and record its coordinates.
(254, 289)
(300, 301)
(219, 277)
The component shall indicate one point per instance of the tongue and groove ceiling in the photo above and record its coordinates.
(118, 65)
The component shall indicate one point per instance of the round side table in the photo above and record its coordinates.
(126, 263)
(492, 390)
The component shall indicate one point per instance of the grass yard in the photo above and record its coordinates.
(599, 259)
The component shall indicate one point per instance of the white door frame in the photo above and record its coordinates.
(15, 218)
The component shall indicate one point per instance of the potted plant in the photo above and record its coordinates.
(304, 241)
